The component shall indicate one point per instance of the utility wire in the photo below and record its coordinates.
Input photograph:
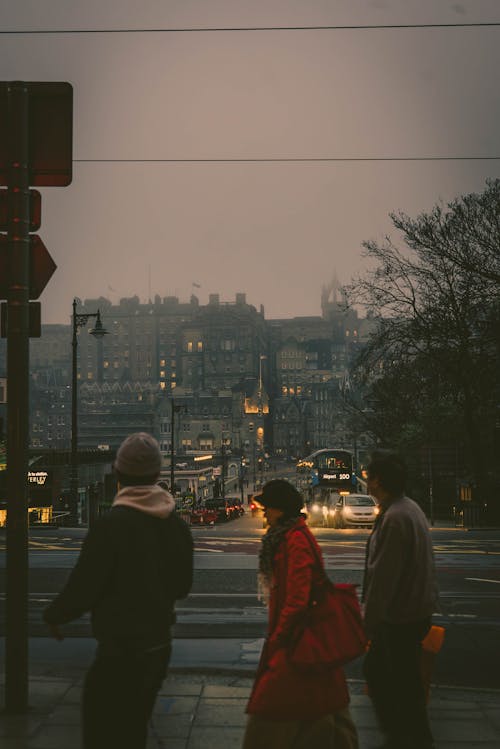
(198, 30)
(287, 160)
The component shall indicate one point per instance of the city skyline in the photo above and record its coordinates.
(252, 160)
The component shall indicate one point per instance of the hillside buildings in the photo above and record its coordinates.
(261, 386)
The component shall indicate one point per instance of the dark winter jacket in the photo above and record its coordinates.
(134, 564)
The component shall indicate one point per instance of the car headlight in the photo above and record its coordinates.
(332, 512)
(376, 510)
(315, 507)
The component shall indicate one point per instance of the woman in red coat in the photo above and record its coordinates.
(287, 708)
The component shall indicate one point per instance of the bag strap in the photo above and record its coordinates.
(317, 556)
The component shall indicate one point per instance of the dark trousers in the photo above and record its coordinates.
(392, 671)
(118, 698)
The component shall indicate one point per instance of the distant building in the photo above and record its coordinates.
(222, 344)
(260, 385)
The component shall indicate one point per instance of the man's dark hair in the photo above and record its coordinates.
(125, 480)
(390, 469)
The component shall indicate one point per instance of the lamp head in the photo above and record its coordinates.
(98, 331)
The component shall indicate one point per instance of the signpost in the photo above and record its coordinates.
(35, 210)
(41, 266)
(35, 149)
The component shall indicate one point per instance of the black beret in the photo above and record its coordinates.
(281, 495)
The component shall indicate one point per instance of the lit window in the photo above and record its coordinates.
(189, 346)
(200, 345)
(162, 362)
(162, 373)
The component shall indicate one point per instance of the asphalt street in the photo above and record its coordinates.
(224, 604)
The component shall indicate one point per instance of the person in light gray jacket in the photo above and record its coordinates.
(400, 596)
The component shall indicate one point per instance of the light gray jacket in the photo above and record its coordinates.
(400, 578)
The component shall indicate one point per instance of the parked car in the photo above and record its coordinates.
(232, 507)
(354, 510)
(221, 507)
(203, 516)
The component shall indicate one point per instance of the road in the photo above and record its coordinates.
(223, 603)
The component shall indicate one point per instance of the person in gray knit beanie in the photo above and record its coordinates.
(139, 456)
(135, 563)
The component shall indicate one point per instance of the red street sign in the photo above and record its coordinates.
(35, 210)
(42, 267)
(50, 134)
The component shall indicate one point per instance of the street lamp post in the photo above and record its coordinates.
(175, 409)
(223, 469)
(225, 442)
(98, 332)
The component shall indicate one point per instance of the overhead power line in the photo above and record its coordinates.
(305, 159)
(198, 30)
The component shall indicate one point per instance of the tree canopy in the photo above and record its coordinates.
(429, 374)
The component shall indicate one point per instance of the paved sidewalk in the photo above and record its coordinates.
(206, 711)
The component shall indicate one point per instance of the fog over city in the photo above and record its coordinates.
(208, 157)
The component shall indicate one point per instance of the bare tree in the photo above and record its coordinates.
(434, 357)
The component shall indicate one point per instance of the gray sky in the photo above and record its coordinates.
(276, 231)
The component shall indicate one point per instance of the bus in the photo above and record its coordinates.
(329, 468)
(322, 477)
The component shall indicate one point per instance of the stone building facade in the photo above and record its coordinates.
(261, 386)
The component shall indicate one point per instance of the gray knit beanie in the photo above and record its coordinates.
(139, 455)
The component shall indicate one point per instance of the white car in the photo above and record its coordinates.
(354, 510)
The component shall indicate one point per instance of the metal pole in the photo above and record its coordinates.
(172, 450)
(100, 364)
(73, 488)
(431, 496)
(242, 491)
(16, 620)
(223, 470)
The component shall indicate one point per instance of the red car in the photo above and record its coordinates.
(203, 516)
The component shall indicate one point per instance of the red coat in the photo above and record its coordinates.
(280, 692)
